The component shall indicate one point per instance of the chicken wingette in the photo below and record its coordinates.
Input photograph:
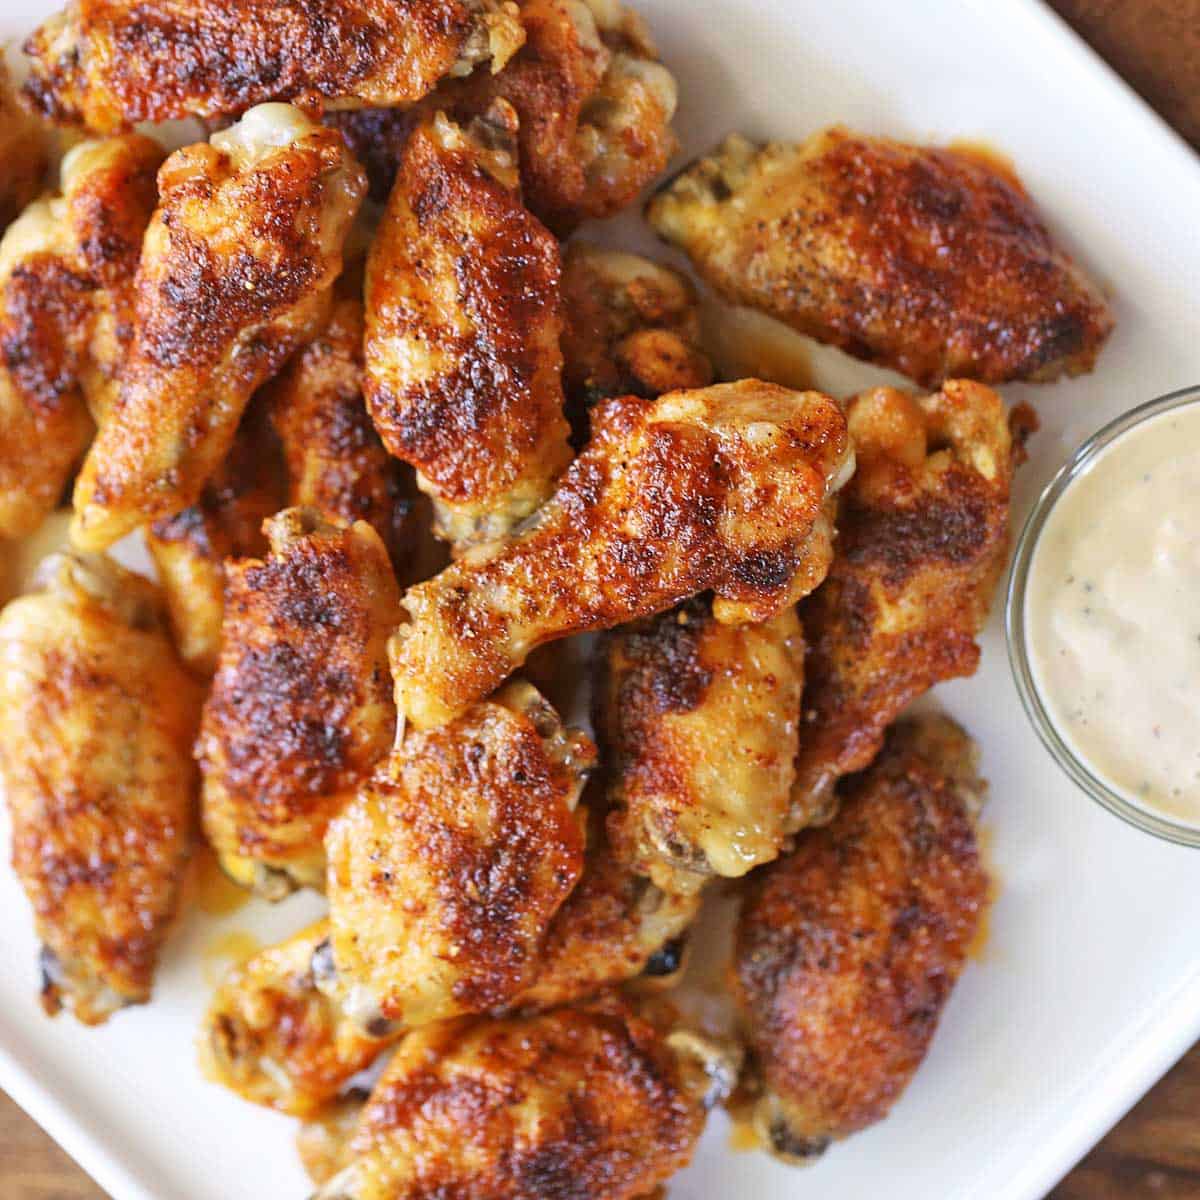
(108, 64)
(848, 949)
(922, 536)
(463, 320)
(931, 262)
(236, 272)
(447, 868)
(301, 708)
(700, 725)
(97, 718)
(66, 266)
(725, 488)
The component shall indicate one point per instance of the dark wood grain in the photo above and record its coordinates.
(1154, 1153)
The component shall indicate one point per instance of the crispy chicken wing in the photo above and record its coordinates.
(236, 272)
(928, 261)
(922, 539)
(447, 867)
(578, 1102)
(23, 152)
(190, 548)
(65, 270)
(847, 950)
(463, 367)
(300, 709)
(98, 718)
(726, 487)
(108, 64)
(699, 722)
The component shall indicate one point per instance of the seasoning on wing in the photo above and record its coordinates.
(463, 319)
(922, 538)
(725, 488)
(848, 949)
(236, 272)
(928, 261)
(700, 721)
(448, 866)
(23, 152)
(300, 709)
(65, 270)
(108, 64)
(97, 721)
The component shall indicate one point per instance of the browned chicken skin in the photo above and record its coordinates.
(848, 949)
(236, 271)
(928, 261)
(922, 537)
(725, 488)
(300, 708)
(65, 291)
(107, 64)
(578, 1102)
(463, 319)
(23, 152)
(96, 723)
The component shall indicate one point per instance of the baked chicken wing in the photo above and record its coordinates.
(578, 1102)
(726, 487)
(922, 539)
(235, 273)
(300, 709)
(23, 152)
(463, 367)
(107, 64)
(65, 270)
(96, 724)
(928, 261)
(448, 866)
(847, 949)
(699, 722)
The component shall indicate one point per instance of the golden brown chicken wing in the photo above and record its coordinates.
(300, 709)
(463, 367)
(236, 272)
(108, 64)
(447, 867)
(632, 327)
(928, 261)
(578, 1102)
(190, 548)
(23, 152)
(922, 538)
(847, 949)
(97, 721)
(726, 488)
(699, 722)
(65, 270)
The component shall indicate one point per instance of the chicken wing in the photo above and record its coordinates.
(235, 273)
(300, 709)
(928, 261)
(108, 64)
(922, 540)
(97, 722)
(727, 487)
(632, 327)
(65, 266)
(190, 548)
(23, 152)
(578, 1102)
(463, 367)
(699, 722)
(447, 867)
(847, 950)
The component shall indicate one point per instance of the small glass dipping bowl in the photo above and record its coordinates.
(1141, 818)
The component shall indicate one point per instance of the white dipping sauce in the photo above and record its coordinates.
(1112, 615)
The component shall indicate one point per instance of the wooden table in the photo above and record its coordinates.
(1154, 1153)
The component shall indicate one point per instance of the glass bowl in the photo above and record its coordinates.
(1014, 617)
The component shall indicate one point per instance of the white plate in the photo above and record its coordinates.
(1090, 983)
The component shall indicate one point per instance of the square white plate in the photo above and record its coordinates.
(1090, 982)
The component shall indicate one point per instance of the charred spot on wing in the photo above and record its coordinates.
(765, 570)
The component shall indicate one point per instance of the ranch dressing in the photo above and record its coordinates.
(1112, 617)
